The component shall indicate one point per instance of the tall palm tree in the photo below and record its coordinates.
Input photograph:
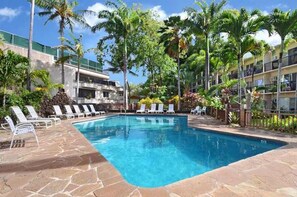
(119, 22)
(176, 43)
(67, 16)
(30, 43)
(203, 22)
(77, 52)
(238, 25)
(284, 24)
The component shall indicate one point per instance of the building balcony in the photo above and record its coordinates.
(286, 61)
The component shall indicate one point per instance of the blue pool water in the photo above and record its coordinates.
(153, 151)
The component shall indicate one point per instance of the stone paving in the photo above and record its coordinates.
(66, 164)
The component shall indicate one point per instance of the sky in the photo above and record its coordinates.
(14, 18)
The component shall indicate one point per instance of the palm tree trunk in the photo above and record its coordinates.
(239, 73)
(125, 76)
(30, 44)
(280, 64)
(62, 50)
(206, 85)
(178, 82)
(77, 85)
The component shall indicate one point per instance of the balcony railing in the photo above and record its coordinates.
(23, 42)
(287, 61)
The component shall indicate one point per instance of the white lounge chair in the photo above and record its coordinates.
(160, 108)
(59, 113)
(21, 128)
(142, 109)
(94, 111)
(69, 111)
(86, 110)
(153, 108)
(194, 111)
(34, 116)
(77, 111)
(170, 109)
(22, 118)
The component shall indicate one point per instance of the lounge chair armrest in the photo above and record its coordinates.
(24, 125)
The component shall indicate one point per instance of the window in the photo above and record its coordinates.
(259, 82)
(105, 94)
(86, 93)
(293, 56)
(121, 93)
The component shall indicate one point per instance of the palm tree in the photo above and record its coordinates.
(203, 22)
(64, 12)
(30, 43)
(119, 23)
(44, 76)
(77, 52)
(238, 25)
(284, 24)
(175, 42)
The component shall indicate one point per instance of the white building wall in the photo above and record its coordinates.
(45, 61)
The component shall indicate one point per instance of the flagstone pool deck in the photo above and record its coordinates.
(65, 164)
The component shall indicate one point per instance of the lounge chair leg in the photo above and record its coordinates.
(11, 143)
(36, 139)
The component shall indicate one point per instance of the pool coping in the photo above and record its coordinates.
(158, 189)
(67, 164)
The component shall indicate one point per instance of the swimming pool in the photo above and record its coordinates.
(153, 151)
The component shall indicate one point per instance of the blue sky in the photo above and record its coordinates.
(14, 18)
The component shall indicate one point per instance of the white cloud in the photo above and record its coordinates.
(97, 7)
(158, 13)
(273, 40)
(9, 13)
(183, 15)
(92, 19)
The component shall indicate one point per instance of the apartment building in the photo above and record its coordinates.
(95, 85)
(262, 71)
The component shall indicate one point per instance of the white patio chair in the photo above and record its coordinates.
(86, 110)
(194, 111)
(21, 128)
(22, 118)
(142, 109)
(203, 110)
(153, 108)
(34, 116)
(69, 111)
(170, 109)
(59, 113)
(160, 108)
(77, 111)
(94, 111)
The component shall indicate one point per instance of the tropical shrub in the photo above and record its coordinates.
(216, 102)
(149, 101)
(191, 100)
(174, 100)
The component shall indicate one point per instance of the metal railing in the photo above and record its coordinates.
(23, 42)
(286, 61)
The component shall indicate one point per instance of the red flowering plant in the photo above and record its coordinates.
(191, 100)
